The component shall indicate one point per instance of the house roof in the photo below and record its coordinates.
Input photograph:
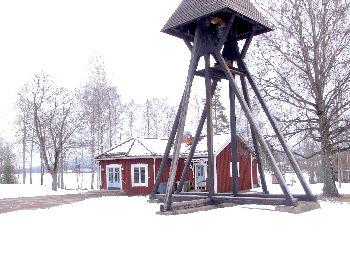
(192, 10)
(154, 147)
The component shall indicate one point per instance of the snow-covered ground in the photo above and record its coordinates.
(77, 183)
(20, 190)
(296, 188)
(127, 229)
(73, 182)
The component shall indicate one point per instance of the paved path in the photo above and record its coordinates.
(27, 203)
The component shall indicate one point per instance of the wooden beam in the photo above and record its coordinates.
(251, 120)
(227, 31)
(247, 44)
(177, 146)
(210, 163)
(277, 131)
(195, 142)
(255, 142)
(234, 157)
(188, 44)
(167, 149)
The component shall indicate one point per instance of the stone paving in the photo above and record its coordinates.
(38, 202)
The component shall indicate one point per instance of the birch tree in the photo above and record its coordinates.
(102, 110)
(23, 123)
(158, 117)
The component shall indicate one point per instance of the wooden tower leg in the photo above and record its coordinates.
(255, 142)
(234, 156)
(278, 132)
(177, 146)
(195, 142)
(249, 115)
(167, 149)
(209, 107)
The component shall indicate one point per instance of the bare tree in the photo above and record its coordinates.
(102, 111)
(23, 123)
(55, 118)
(306, 71)
(158, 116)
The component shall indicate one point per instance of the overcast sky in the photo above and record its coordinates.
(60, 36)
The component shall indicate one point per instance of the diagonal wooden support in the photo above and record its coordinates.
(167, 149)
(249, 115)
(210, 163)
(196, 50)
(246, 97)
(195, 142)
(188, 44)
(227, 31)
(277, 131)
(255, 142)
(247, 43)
(234, 156)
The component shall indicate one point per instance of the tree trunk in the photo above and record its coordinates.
(31, 161)
(54, 180)
(329, 187)
(62, 167)
(24, 149)
(42, 170)
(92, 180)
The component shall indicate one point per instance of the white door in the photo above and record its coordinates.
(114, 177)
(199, 178)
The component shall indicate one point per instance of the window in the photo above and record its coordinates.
(139, 175)
(231, 169)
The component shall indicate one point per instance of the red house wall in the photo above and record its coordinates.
(126, 173)
(224, 180)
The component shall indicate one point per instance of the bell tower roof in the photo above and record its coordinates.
(190, 11)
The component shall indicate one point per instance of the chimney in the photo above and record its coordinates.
(187, 138)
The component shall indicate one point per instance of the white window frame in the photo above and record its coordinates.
(121, 174)
(237, 169)
(133, 184)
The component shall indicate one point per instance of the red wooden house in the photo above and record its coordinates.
(133, 165)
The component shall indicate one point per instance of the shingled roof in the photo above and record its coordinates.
(154, 147)
(192, 10)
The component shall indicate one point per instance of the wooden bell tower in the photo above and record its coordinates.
(191, 22)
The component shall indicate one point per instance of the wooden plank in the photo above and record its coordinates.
(255, 142)
(194, 143)
(247, 44)
(168, 148)
(227, 31)
(254, 200)
(277, 131)
(217, 74)
(234, 156)
(210, 164)
(176, 153)
(188, 44)
(188, 204)
(301, 197)
(251, 120)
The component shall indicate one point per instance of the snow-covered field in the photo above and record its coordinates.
(71, 180)
(127, 229)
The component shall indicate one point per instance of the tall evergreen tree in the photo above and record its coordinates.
(8, 177)
(220, 121)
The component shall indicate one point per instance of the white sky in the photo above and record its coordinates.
(60, 37)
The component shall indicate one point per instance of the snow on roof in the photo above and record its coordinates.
(219, 143)
(155, 147)
(137, 147)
